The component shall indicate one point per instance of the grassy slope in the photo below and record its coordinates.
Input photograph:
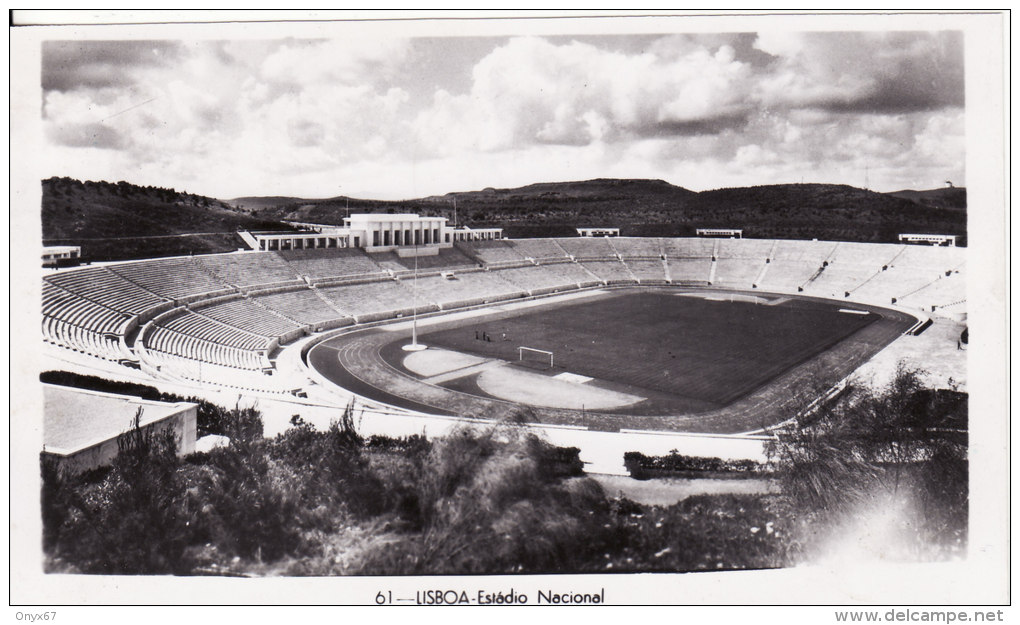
(952, 197)
(115, 221)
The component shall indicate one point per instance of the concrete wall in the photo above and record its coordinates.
(183, 423)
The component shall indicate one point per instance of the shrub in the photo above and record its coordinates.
(486, 504)
(901, 447)
(642, 467)
(133, 520)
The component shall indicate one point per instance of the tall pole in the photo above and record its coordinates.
(414, 346)
(414, 313)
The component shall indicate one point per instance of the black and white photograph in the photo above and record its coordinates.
(544, 309)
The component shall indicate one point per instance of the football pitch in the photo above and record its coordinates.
(704, 351)
(650, 358)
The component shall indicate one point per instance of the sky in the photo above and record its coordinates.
(398, 118)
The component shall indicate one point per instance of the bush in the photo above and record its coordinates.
(642, 467)
(485, 503)
(307, 502)
(134, 521)
(902, 449)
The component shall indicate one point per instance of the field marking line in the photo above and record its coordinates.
(566, 376)
(463, 372)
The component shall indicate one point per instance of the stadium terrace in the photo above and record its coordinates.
(251, 322)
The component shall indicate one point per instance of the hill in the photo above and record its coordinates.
(262, 203)
(657, 208)
(118, 221)
(113, 221)
(820, 211)
(951, 197)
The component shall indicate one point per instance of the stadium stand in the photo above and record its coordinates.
(497, 252)
(811, 252)
(689, 270)
(647, 271)
(367, 299)
(584, 247)
(538, 249)
(331, 263)
(688, 248)
(203, 328)
(174, 278)
(547, 278)
(610, 271)
(233, 310)
(248, 269)
(745, 248)
(637, 247)
(788, 275)
(82, 325)
(464, 289)
(447, 259)
(941, 293)
(737, 272)
(187, 347)
(106, 288)
(305, 306)
(254, 319)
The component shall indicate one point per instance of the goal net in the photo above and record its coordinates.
(530, 354)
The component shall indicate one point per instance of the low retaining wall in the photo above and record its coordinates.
(199, 297)
(219, 299)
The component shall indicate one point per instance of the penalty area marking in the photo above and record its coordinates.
(535, 389)
(436, 361)
(567, 376)
(715, 296)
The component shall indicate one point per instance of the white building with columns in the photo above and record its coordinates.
(407, 234)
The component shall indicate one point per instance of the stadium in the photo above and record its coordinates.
(702, 336)
(542, 297)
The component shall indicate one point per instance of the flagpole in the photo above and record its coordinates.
(414, 345)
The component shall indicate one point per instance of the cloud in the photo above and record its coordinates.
(345, 61)
(863, 72)
(69, 65)
(531, 91)
(86, 136)
(388, 117)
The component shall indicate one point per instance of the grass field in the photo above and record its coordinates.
(664, 343)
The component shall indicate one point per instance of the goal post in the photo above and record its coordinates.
(530, 354)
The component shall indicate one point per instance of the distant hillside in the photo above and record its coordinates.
(261, 203)
(113, 221)
(951, 197)
(601, 190)
(820, 211)
(75, 212)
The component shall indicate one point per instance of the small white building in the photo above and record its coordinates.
(81, 428)
(948, 240)
(726, 233)
(598, 232)
(60, 254)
